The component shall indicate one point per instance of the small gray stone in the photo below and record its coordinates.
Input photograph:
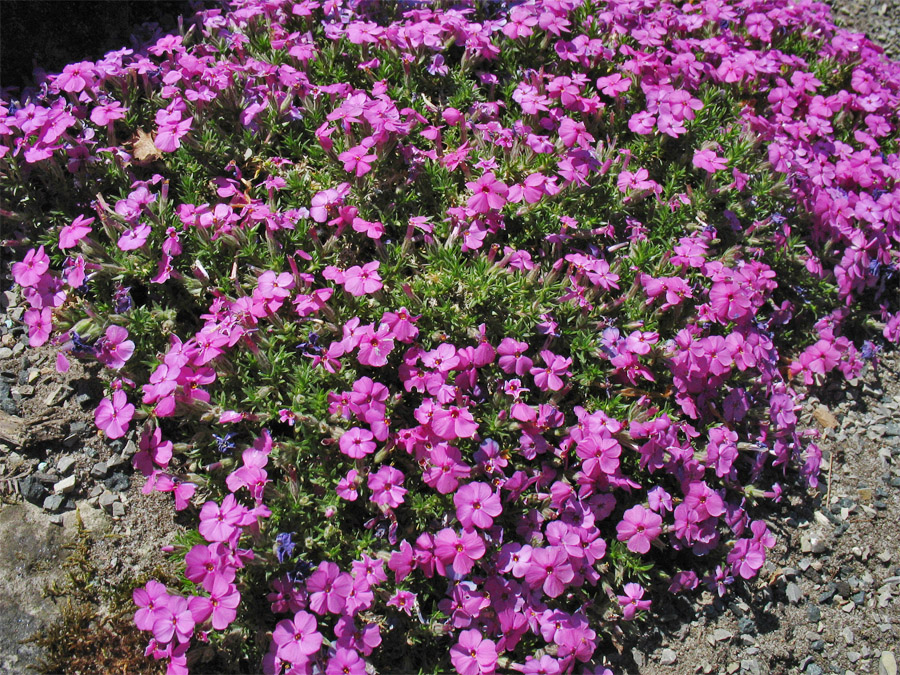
(813, 614)
(118, 482)
(99, 470)
(65, 464)
(853, 657)
(107, 499)
(793, 592)
(32, 490)
(118, 509)
(750, 666)
(887, 664)
(746, 625)
(668, 657)
(813, 669)
(114, 462)
(53, 503)
(65, 486)
(721, 635)
(5, 353)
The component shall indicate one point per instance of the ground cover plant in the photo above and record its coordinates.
(465, 333)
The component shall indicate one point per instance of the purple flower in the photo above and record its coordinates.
(639, 526)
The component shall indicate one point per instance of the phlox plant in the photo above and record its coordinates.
(465, 334)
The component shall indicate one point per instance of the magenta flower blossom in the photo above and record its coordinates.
(328, 589)
(550, 569)
(359, 281)
(220, 606)
(489, 193)
(639, 526)
(459, 550)
(151, 599)
(746, 558)
(477, 505)
(550, 376)
(473, 654)
(113, 416)
(632, 601)
(115, 349)
(32, 268)
(512, 357)
(345, 662)
(220, 523)
(709, 161)
(174, 621)
(453, 422)
(404, 601)
(134, 238)
(40, 325)
(70, 235)
(386, 486)
(357, 443)
(296, 640)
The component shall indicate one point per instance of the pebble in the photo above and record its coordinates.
(99, 470)
(118, 482)
(65, 486)
(5, 352)
(813, 669)
(54, 503)
(793, 592)
(65, 464)
(853, 657)
(668, 657)
(32, 490)
(887, 664)
(107, 499)
(750, 666)
(813, 614)
(118, 509)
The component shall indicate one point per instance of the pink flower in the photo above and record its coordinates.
(112, 416)
(709, 160)
(328, 589)
(477, 505)
(175, 620)
(550, 376)
(151, 599)
(346, 487)
(460, 551)
(221, 605)
(404, 601)
(70, 235)
(639, 526)
(512, 357)
(357, 443)
(40, 324)
(134, 238)
(115, 349)
(550, 568)
(345, 662)
(32, 268)
(473, 655)
(358, 160)
(374, 347)
(631, 602)
(489, 193)
(359, 281)
(453, 423)
(386, 485)
(296, 640)
(220, 523)
(746, 558)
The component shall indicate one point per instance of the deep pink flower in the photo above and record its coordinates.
(32, 268)
(386, 485)
(70, 235)
(473, 655)
(489, 193)
(115, 349)
(134, 238)
(112, 416)
(460, 551)
(151, 599)
(220, 523)
(345, 662)
(357, 442)
(453, 422)
(296, 640)
(359, 281)
(221, 605)
(550, 569)
(174, 620)
(550, 376)
(40, 325)
(328, 589)
(632, 601)
(709, 160)
(639, 526)
(477, 505)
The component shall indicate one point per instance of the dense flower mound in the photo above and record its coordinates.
(466, 334)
